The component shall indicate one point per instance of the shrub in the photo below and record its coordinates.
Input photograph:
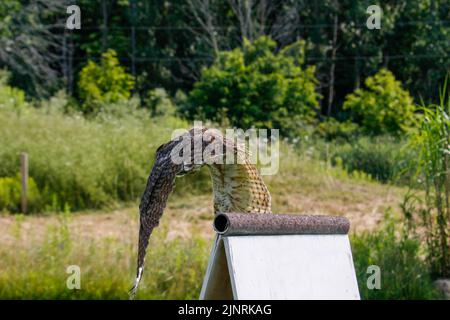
(10, 194)
(404, 275)
(253, 86)
(104, 83)
(59, 102)
(123, 109)
(159, 103)
(11, 98)
(331, 129)
(384, 107)
(383, 158)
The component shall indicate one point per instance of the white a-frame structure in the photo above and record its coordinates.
(280, 266)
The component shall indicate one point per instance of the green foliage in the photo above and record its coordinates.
(159, 103)
(86, 163)
(432, 166)
(169, 59)
(175, 267)
(254, 86)
(384, 107)
(331, 129)
(10, 194)
(104, 83)
(11, 98)
(27, 46)
(59, 102)
(123, 109)
(404, 275)
(383, 158)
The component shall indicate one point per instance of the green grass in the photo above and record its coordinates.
(385, 159)
(35, 268)
(77, 163)
(38, 270)
(432, 168)
(83, 163)
(404, 273)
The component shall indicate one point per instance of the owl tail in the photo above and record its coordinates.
(144, 236)
(133, 291)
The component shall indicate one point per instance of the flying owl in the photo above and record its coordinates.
(237, 185)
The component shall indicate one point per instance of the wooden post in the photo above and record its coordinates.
(24, 180)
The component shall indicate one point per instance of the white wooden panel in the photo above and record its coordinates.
(217, 284)
(291, 267)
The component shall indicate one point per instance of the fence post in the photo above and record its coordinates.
(24, 181)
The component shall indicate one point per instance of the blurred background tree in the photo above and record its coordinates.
(254, 86)
(104, 83)
(166, 44)
(31, 41)
(383, 107)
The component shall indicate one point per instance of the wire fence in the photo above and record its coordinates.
(351, 24)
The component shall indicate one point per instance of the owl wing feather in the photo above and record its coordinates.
(236, 187)
(160, 184)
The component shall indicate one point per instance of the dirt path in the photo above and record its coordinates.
(364, 204)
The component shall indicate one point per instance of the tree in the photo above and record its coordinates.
(383, 107)
(29, 44)
(423, 40)
(104, 83)
(166, 43)
(253, 86)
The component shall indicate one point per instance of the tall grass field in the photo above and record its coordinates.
(37, 268)
(79, 164)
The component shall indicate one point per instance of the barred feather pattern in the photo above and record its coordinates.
(237, 187)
